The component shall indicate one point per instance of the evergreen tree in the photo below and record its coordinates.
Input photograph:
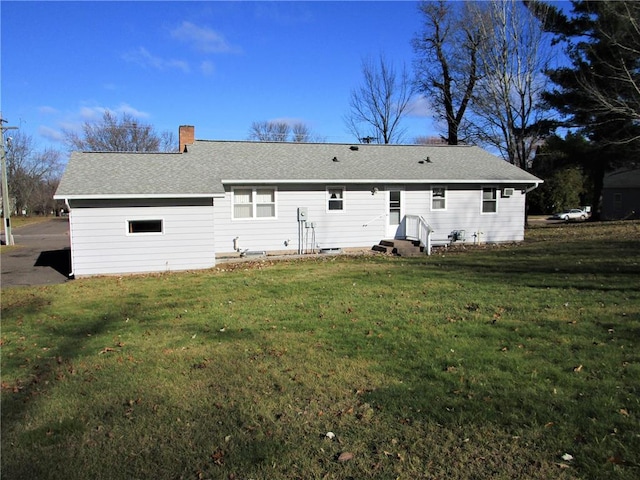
(599, 93)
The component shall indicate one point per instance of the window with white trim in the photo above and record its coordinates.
(254, 203)
(489, 200)
(438, 198)
(142, 227)
(335, 198)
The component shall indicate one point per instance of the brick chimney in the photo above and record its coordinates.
(187, 135)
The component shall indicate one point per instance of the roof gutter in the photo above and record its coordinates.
(378, 180)
(533, 187)
(127, 196)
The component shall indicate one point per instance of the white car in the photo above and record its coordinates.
(573, 214)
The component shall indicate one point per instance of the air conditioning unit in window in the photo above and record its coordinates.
(507, 192)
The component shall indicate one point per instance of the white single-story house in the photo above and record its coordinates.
(153, 212)
(621, 194)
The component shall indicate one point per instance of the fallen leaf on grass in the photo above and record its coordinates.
(624, 411)
(218, 457)
(345, 456)
(107, 349)
(567, 457)
(577, 369)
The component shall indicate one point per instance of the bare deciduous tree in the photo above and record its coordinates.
(282, 131)
(429, 140)
(32, 175)
(119, 134)
(380, 103)
(506, 101)
(447, 65)
(269, 131)
(301, 132)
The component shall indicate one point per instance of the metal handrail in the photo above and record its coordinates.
(373, 220)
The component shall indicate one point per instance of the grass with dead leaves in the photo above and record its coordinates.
(518, 361)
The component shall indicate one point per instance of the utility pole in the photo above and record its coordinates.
(6, 208)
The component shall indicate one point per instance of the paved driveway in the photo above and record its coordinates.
(42, 255)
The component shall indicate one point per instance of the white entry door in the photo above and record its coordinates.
(395, 212)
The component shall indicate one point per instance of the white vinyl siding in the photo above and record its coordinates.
(192, 235)
(101, 243)
(464, 212)
(363, 224)
(333, 228)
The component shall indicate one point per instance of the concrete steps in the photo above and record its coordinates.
(401, 248)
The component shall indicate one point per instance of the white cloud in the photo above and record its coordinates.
(146, 59)
(207, 67)
(73, 121)
(91, 113)
(47, 110)
(96, 112)
(50, 133)
(203, 39)
(128, 109)
(419, 106)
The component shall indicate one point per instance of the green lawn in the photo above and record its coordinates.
(20, 221)
(472, 363)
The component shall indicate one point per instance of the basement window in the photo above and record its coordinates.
(136, 227)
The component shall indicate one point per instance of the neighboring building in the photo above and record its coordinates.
(149, 212)
(621, 195)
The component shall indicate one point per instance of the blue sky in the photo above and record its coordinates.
(216, 65)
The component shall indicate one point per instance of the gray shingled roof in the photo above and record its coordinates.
(208, 165)
(108, 174)
(623, 178)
